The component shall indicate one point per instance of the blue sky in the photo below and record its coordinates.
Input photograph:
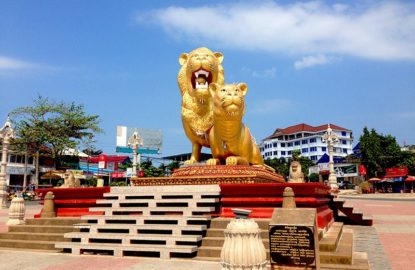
(348, 63)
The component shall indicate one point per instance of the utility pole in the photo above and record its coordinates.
(135, 141)
(331, 138)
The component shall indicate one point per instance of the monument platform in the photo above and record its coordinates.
(74, 202)
(209, 175)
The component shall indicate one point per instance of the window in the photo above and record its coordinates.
(275, 153)
(345, 150)
(289, 144)
(275, 144)
(12, 158)
(289, 152)
(282, 153)
(299, 135)
(304, 150)
(313, 140)
(344, 133)
(297, 143)
(304, 141)
(324, 149)
(313, 149)
(344, 142)
(314, 158)
(282, 144)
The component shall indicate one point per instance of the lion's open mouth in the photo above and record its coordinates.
(201, 79)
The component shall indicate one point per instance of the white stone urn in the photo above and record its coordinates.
(16, 212)
(243, 247)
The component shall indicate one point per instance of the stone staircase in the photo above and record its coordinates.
(156, 221)
(336, 245)
(38, 234)
(350, 214)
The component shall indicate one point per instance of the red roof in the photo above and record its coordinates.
(303, 127)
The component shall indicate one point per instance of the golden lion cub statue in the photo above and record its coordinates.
(230, 140)
(200, 68)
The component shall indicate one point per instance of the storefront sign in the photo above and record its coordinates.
(17, 170)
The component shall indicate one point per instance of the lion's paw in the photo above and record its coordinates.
(212, 162)
(190, 162)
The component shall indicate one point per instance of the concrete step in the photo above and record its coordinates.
(140, 219)
(127, 239)
(24, 244)
(360, 262)
(41, 229)
(343, 253)
(221, 223)
(163, 251)
(331, 237)
(52, 221)
(185, 211)
(209, 259)
(210, 252)
(56, 237)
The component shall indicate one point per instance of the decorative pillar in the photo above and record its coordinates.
(288, 200)
(243, 247)
(48, 210)
(331, 138)
(135, 141)
(16, 211)
(6, 133)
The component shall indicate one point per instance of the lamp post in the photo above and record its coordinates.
(135, 141)
(6, 133)
(331, 138)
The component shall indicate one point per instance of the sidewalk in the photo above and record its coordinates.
(394, 227)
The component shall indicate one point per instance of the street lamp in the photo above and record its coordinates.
(6, 133)
(135, 141)
(331, 138)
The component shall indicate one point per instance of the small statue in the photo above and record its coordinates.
(70, 181)
(296, 175)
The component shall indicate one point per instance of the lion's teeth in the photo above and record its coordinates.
(202, 72)
(202, 86)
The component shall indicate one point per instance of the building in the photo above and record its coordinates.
(16, 170)
(308, 140)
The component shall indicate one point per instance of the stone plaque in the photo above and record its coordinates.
(292, 245)
(293, 239)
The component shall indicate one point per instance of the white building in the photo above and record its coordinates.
(307, 139)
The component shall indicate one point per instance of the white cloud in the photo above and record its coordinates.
(376, 30)
(270, 106)
(7, 63)
(314, 60)
(267, 73)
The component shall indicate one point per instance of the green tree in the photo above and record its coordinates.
(314, 177)
(54, 125)
(150, 170)
(379, 152)
(280, 165)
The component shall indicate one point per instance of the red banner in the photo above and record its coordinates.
(362, 170)
(396, 172)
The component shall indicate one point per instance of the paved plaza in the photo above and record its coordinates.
(389, 243)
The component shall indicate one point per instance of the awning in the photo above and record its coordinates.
(374, 179)
(410, 179)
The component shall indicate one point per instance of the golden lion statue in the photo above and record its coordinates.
(200, 68)
(70, 181)
(296, 174)
(230, 140)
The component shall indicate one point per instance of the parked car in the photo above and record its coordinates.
(346, 185)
